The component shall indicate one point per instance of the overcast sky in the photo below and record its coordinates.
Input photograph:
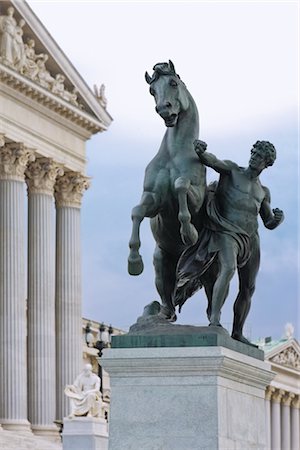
(239, 61)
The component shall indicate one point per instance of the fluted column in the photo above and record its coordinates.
(295, 423)
(269, 392)
(13, 366)
(286, 420)
(68, 194)
(276, 419)
(40, 178)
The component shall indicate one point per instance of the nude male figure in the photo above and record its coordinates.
(232, 218)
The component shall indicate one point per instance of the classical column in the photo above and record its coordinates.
(286, 420)
(276, 419)
(40, 178)
(269, 392)
(13, 366)
(68, 194)
(295, 423)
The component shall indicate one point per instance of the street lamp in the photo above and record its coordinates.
(89, 337)
(103, 342)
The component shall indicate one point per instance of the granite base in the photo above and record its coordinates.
(191, 398)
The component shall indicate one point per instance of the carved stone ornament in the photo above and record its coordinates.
(269, 392)
(277, 395)
(288, 398)
(296, 402)
(21, 56)
(70, 188)
(100, 95)
(41, 175)
(288, 357)
(13, 161)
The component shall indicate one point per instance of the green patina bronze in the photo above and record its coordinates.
(203, 234)
(174, 185)
(229, 239)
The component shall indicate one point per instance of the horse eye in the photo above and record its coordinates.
(152, 92)
(173, 83)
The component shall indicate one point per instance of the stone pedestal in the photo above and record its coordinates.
(88, 433)
(191, 398)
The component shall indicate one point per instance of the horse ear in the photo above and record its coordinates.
(172, 66)
(147, 77)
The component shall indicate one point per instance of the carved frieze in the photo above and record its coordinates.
(288, 357)
(41, 175)
(70, 188)
(21, 56)
(14, 158)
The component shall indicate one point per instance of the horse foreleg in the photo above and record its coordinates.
(139, 212)
(189, 234)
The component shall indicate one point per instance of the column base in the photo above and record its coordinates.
(16, 425)
(51, 433)
(211, 398)
(88, 433)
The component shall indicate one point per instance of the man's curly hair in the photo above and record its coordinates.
(268, 150)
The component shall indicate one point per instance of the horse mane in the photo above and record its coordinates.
(163, 69)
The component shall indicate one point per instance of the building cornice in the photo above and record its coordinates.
(34, 91)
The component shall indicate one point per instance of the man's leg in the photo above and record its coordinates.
(227, 258)
(165, 277)
(247, 277)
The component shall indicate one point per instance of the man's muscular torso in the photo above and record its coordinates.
(239, 199)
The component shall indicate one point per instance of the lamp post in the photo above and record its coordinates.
(103, 342)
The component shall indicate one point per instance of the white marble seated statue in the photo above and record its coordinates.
(85, 396)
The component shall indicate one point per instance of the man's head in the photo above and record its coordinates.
(87, 369)
(263, 154)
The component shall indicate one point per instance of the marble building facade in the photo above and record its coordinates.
(47, 113)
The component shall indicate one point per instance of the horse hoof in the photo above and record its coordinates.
(135, 266)
(167, 314)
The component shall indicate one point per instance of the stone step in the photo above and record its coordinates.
(12, 440)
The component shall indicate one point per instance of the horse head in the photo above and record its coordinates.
(169, 92)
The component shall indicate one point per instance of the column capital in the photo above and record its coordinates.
(296, 402)
(277, 395)
(14, 158)
(287, 398)
(41, 175)
(70, 188)
(2, 140)
(269, 392)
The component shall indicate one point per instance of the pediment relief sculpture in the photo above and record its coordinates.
(21, 56)
(288, 357)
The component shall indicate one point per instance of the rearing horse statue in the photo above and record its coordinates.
(174, 185)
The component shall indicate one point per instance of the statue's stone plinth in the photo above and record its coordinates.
(152, 331)
(88, 433)
(191, 397)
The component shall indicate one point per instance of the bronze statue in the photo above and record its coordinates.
(174, 185)
(203, 234)
(229, 239)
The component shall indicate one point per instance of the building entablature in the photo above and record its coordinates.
(51, 101)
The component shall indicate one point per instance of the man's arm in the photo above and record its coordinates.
(270, 217)
(210, 160)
